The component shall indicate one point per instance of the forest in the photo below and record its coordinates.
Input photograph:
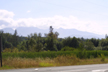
(50, 50)
(50, 42)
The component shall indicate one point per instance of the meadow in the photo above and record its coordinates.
(13, 60)
(52, 54)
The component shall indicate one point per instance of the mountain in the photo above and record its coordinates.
(77, 33)
(8, 30)
(24, 31)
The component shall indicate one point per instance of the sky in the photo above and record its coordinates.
(84, 15)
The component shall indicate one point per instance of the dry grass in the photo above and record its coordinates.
(10, 63)
(20, 62)
(66, 60)
(92, 61)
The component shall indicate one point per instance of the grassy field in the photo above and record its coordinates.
(47, 59)
(53, 54)
(11, 63)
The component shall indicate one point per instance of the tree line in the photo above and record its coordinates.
(50, 42)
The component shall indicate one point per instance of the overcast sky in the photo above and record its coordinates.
(83, 15)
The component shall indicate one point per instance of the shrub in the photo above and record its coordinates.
(82, 54)
(66, 48)
(102, 57)
(54, 54)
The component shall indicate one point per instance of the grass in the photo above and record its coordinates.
(14, 63)
(47, 59)
(44, 64)
(53, 54)
(5, 67)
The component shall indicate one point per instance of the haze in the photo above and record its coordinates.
(84, 15)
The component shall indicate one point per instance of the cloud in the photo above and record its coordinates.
(28, 11)
(6, 20)
(60, 22)
(6, 14)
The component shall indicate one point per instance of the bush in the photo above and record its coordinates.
(105, 48)
(54, 54)
(66, 48)
(102, 57)
(82, 54)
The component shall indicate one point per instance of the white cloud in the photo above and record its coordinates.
(61, 22)
(6, 18)
(28, 11)
(2, 26)
(6, 14)
(56, 21)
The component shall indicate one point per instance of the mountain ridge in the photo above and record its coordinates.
(24, 31)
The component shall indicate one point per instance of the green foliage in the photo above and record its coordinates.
(102, 57)
(89, 45)
(15, 39)
(53, 54)
(81, 46)
(8, 50)
(51, 44)
(104, 42)
(95, 42)
(105, 48)
(8, 45)
(82, 54)
(59, 45)
(6, 67)
(22, 46)
(66, 48)
(36, 43)
(39, 47)
(74, 43)
(51, 40)
(66, 42)
(71, 42)
(31, 42)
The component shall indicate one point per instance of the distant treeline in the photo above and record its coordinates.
(36, 43)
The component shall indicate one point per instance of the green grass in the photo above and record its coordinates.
(17, 60)
(14, 63)
(6, 67)
(53, 54)
(35, 54)
(52, 58)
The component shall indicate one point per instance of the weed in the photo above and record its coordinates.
(42, 64)
(6, 67)
(66, 60)
(102, 57)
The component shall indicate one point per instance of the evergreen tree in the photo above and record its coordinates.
(15, 39)
(51, 40)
